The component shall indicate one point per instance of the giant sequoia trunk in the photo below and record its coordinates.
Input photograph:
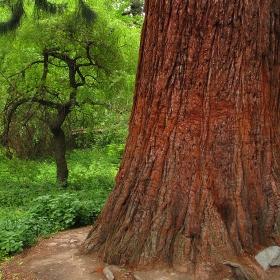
(200, 176)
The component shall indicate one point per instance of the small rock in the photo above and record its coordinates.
(269, 257)
(63, 246)
(73, 241)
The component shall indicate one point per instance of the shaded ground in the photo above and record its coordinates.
(55, 259)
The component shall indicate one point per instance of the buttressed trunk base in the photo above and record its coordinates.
(199, 180)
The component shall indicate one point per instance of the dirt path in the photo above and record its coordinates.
(56, 259)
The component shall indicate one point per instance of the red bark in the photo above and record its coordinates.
(199, 179)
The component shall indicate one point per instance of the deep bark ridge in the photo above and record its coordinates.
(199, 179)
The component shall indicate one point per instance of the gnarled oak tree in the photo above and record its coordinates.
(200, 175)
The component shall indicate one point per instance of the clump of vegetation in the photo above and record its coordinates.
(31, 209)
(48, 214)
(89, 113)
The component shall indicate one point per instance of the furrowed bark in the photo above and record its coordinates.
(199, 179)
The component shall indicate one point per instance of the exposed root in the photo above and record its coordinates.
(238, 271)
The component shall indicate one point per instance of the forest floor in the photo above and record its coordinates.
(55, 258)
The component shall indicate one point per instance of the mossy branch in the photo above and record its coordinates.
(14, 22)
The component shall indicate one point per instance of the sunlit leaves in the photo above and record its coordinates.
(112, 46)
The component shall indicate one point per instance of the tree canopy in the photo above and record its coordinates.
(77, 58)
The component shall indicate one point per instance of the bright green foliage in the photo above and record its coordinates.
(64, 211)
(115, 151)
(31, 205)
(15, 11)
(93, 173)
(15, 234)
(104, 96)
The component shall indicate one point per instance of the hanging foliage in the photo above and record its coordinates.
(86, 13)
(14, 22)
(45, 6)
(83, 13)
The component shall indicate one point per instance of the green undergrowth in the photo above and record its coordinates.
(33, 205)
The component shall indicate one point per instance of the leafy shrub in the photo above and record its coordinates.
(115, 152)
(15, 235)
(31, 204)
(110, 136)
(87, 213)
(92, 170)
(64, 211)
(11, 242)
(47, 215)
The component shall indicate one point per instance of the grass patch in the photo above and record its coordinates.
(33, 205)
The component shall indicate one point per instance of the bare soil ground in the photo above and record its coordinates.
(56, 259)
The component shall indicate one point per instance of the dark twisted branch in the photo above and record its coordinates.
(8, 119)
(14, 22)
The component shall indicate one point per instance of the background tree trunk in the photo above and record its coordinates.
(60, 144)
(199, 179)
(60, 157)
